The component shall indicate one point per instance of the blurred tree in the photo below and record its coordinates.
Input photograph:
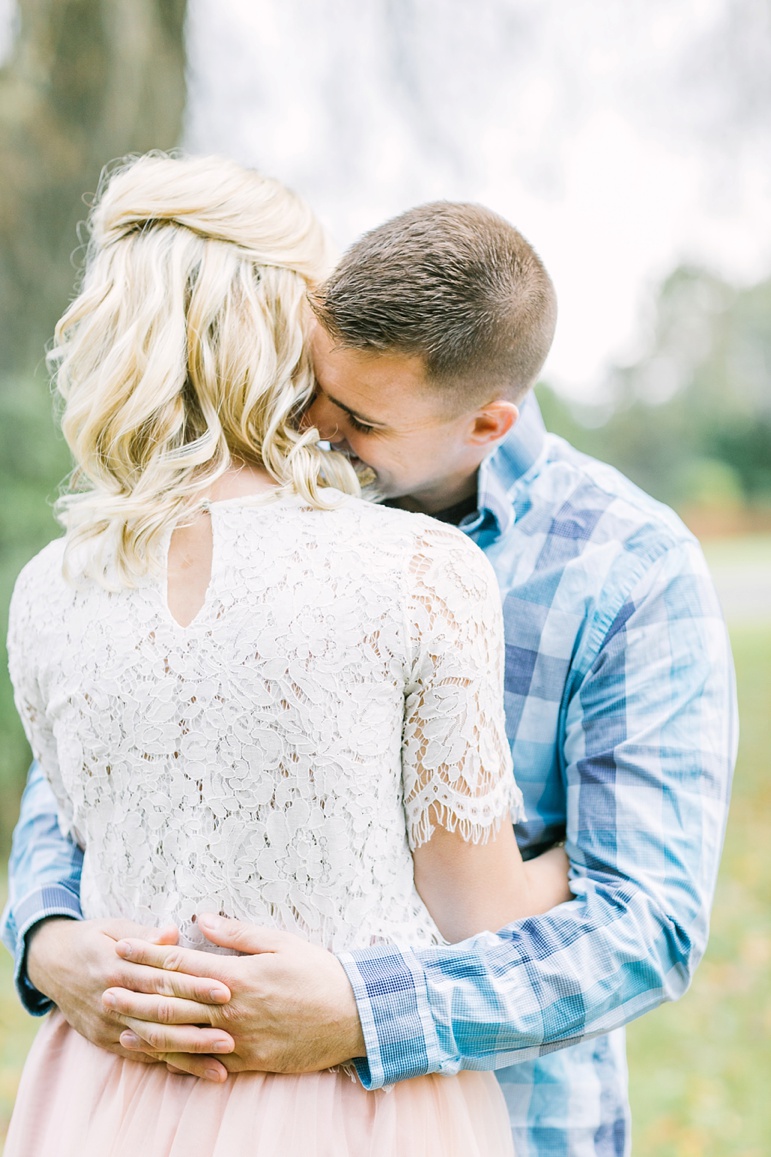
(690, 421)
(89, 80)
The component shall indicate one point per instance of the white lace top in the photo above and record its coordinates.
(275, 759)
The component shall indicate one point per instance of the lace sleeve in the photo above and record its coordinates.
(23, 647)
(456, 761)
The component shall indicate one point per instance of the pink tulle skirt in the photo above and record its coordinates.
(76, 1100)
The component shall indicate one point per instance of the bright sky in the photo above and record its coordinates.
(602, 128)
(7, 27)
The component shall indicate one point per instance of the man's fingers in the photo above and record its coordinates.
(186, 961)
(249, 938)
(165, 1038)
(159, 1009)
(252, 939)
(186, 1064)
(159, 981)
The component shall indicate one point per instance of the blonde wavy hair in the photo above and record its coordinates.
(185, 351)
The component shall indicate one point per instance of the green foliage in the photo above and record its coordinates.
(690, 421)
(88, 81)
(17, 1030)
(33, 461)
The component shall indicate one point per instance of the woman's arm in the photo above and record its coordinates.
(470, 888)
(459, 791)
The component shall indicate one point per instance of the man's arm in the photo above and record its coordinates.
(650, 742)
(43, 880)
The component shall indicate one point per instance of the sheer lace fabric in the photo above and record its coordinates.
(276, 759)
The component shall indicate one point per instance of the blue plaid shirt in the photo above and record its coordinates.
(621, 713)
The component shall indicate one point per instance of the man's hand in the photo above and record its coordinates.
(73, 961)
(292, 1009)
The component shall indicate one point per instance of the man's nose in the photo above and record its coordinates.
(321, 414)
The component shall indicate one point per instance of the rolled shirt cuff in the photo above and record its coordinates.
(41, 904)
(389, 985)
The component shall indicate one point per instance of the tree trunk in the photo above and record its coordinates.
(89, 80)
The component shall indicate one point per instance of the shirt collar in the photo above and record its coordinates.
(502, 469)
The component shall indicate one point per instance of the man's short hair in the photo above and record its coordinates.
(455, 284)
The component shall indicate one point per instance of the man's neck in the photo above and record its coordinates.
(437, 499)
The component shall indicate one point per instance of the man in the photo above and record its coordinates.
(620, 710)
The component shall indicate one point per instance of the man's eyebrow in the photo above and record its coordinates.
(353, 413)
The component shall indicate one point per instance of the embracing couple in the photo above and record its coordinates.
(269, 840)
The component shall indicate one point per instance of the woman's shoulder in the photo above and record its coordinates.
(433, 539)
(47, 562)
(411, 536)
(44, 572)
(380, 519)
(37, 596)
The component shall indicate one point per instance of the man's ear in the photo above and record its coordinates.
(493, 422)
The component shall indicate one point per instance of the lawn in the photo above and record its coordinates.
(16, 1032)
(699, 1068)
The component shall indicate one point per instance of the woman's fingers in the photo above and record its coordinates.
(189, 1064)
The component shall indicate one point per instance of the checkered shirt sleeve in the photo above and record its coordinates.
(43, 880)
(648, 743)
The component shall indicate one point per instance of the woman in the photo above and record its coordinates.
(252, 691)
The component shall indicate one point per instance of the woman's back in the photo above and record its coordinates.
(333, 694)
(251, 761)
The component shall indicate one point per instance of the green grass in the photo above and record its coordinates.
(16, 1032)
(699, 1068)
